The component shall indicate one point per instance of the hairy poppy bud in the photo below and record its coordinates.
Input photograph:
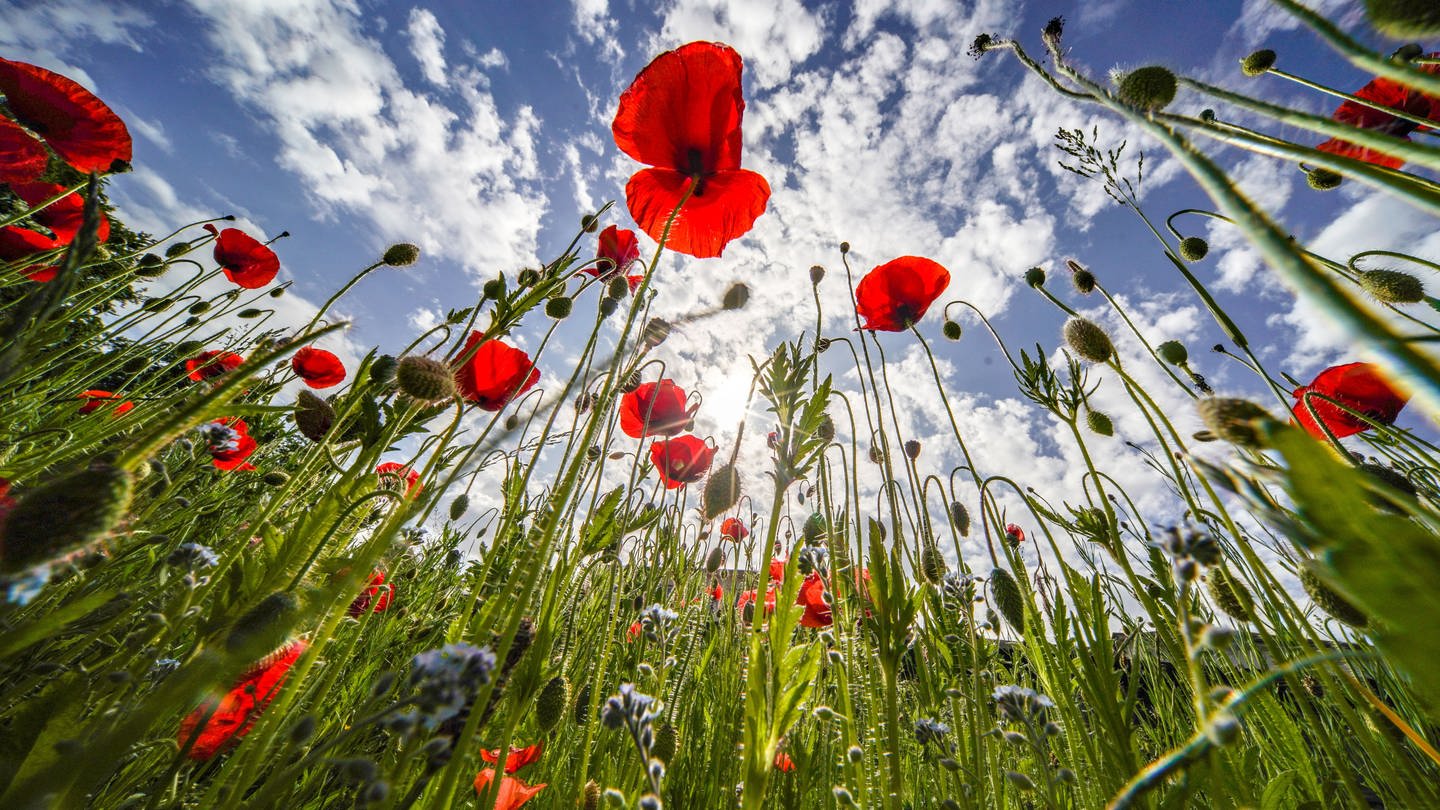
(736, 297)
(1084, 281)
(199, 308)
(589, 223)
(528, 277)
(714, 559)
(62, 515)
(1088, 340)
(722, 490)
(382, 371)
(1233, 419)
(877, 455)
(1329, 601)
(1099, 422)
(844, 247)
(1230, 594)
(656, 331)
(825, 430)
(912, 449)
(1392, 286)
(950, 329)
(1404, 19)
(667, 739)
(631, 382)
(1258, 62)
(618, 288)
(817, 274)
(459, 506)
(177, 249)
(401, 254)
(932, 563)
(1007, 598)
(1193, 248)
(314, 416)
(1053, 31)
(1173, 352)
(425, 379)
(493, 289)
(263, 627)
(551, 702)
(960, 517)
(1149, 88)
(150, 266)
(1390, 477)
(1035, 276)
(582, 705)
(275, 478)
(608, 306)
(558, 308)
(1323, 179)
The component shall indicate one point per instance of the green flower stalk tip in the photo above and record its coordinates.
(459, 506)
(275, 478)
(1404, 19)
(1329, 601)
(960, 517)
(1193, 248)
(1392, 286)
(1088, 340)
(1007, 598)
(714, 559)
(559, 308)
(1099, 423)
(1035, 277)
(65, 514)
(1323, 179)
(401, 254)
(932, 564)
(1173, 352)
(951, 330)
(1150, 88)
(1234, 420)
(528, 277)
(1258, 62)
(150, 266)
(1084, 281)
(736, 297)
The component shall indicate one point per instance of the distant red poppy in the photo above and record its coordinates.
(748, 598)
(22, 158)
(375, 598)
(210, 364)
(494, 373)
(317, 367)
(519, 757)
(896, 294)
(783, 762)
(681, 460)
(616, 250)
(232, 716)
(232, 454)
(78, 126)
(717, 593)
(96, 399)
(1359, 386)
(7, 504)
(513, 792)
(65, 216)
(812, 598)
(20, 243)
(634, 630)
(777, 568)
(654, 409)
(396, 473)
(734, 528)
(245, 260)
(1387, 93)
(682, 116)
(1015, 534)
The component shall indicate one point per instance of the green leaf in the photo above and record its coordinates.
(1277, 793)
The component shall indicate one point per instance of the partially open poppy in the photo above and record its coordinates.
(96, 399)
(734, 528)
(246, 261)
(681, 460)
(494, 373)
(682, 116)
(896, 294)
(394, 475)
(78, 126)
(1388, 93)
(375, 598)
(317, 367)
(513, 792)
(812, 598)
(654, 409)
(207, 365)
(519, 757)
(232, 716)
(22, 158)
(1014, 534)
(1359, 386)
(230, 444)
(615, 251)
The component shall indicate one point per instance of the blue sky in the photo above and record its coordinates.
(481, 131)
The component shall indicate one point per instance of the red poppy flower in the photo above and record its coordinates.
(246, 261)
(513, 792)
(494, 373)
(777, 568)
(65, 216)
(717, 593)
(812, 598)
(681, 460)
(20, 243)
(317, 367)
(654, 409)
(748, 598)
(207, 365)
(78, 126)
(1015, 534)
(634, 630)
(734, 529)
(519, 757)
(682, 116)
(231, 452)
(378, 594)
(96, 399)
(1358, 386)
(783, 762)
(7, 503)
(616, 251)
(1388, 93)
(232, 716)
(392, 472)
(22, 158)
(896, 294)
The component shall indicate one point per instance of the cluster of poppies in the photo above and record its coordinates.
(660, 409)
(513, 791)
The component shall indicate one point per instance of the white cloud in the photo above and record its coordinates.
(45, 33)
(427, 44)
(774, 35)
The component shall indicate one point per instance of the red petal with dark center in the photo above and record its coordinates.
(78, 126)
(683, 110)
(245, 260)
(494, 373)
(725, 208)
(654, 409)
(681, 460)
(616, 249)
(896, 294)
(513, 791)
(22, 158)
(318, 368)
(1361, 387)
(65, 216)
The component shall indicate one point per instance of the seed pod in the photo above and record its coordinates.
(618, 288)
(1323, 179)
(1150, 88)
(249, 313)
(667, 739)
(551, 702)
(1392, 286)
(494, 289)
(1035, 276)
(314, 416)
(1258, 62)
(1084, 281)
(714, 560)
(1193, 248)
(64, 514)
(582, 705)
(1230, 594)
(459, 506)
(960, 517)
(912, 449)
(932, 563)
(736, 297)
(401, 254)
(150, 266)
(1233, 419)
(1099, 422)
(559, 308)
(263, 627)
(1088, 340)
(817, 274)
(722, 490)
(1006, 596)
(1404, 19)
(199, 308)
(1331, 602)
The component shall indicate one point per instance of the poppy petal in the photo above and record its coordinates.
(683, 110)
(1361, 387)
(494, 373)
(725, 208)
(317, 367)
(897, 294)
(246, 261)
(22, 158)
(78, 126)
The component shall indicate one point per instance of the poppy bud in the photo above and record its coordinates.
(558, 308)
(592, 452)
(608, 306)
(1099, 422)
(736, 297)
(382, 371)
(263, 627)
(1233, 419)
(303, 730)
(618, 288)
(1006, 597)
(582, 705)
(550, 703)
(1404, 19)
(589, 223)
(912, 449)
(314, 416)
(1035, 276)
(960, 517)
(950, 329)
(825, 431)
(667, 739)
(1053, 31)
(1323, 179)
(276, 292)
(1150, 88)
(1329, 601)
(656, 331)
(275, 478)
(199, 308)
(844, 247)
(714, 560)
(722, 490)
(150, 266)
(528, 277)
(932, 563)
(817, 274)
(1207, 115)
(425, 379)
(401, 254)
(821, 344)
(177, 249)
(1193, 248)
(1084, 281)
(1230, 594)
(877, 455)
(1392, 286)
(591, 794)
(65, 514)
(459, 506)
(1173, 352)
(1258, 62)
(1088, 340)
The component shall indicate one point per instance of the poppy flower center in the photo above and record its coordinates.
(695, 162)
